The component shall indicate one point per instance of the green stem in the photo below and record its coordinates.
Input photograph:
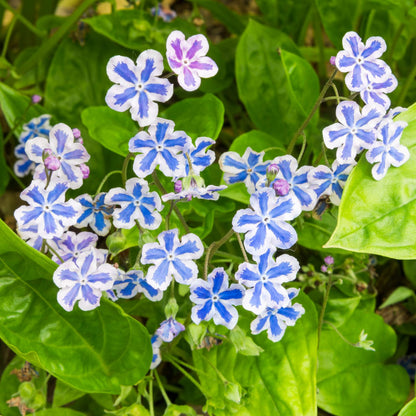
(334, 87)
(8, 36)
(406, 86)
(335, 97)
(340, 334)
(17, 180)
(314, 109)
(167, 220)
(302, 150)
(242, 247)
(213, 248)
(125, 166)
(228, 256)
(150, 398)
(324, 303)
(53, 251)
(162, 389)
(185, 373)
(105, 180)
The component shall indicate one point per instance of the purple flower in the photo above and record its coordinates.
(265, 222)
(187, 59)
(387, 150)
(276, 320)
(361, 61)
(47, 209)
(172, 258)
(70, 154)
(265, 280)
(138, 86)
(354, 131)
(136, 203)
(95, 213)
(160, 146)
(84, 280)
(248, 168)
(169, 329)
(215, 300)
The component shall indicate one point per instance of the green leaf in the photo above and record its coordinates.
(59, 412)
(276, 85)
(4, 174)
(64, 394)
(409, 268)
(176, 410)
(399, 294)
(77, 347)
(379, 217)
(198, 117)
(409, 409)
(353, 381)
(243, 343)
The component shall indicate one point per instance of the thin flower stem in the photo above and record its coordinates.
(53, 251)
(229, 256)
(175, 208)
(8, 36)
(324, 303)
(336, 97)
(125, 166)
(220, 375)
(162, 389)
(302, 150)
(243, 250)
(168, 75)
(185, 373)
(18, 181)
(150, 398)
(105, 180)
(167, 220)
(334, 87)
(314, 109)
(339, 333)
(213, 248)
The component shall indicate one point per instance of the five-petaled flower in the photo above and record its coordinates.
(187, 59)
(198, 155)
(169, 329)
(172, 258)
(265, 280)
(276, 320)
(265, 222)
(70, 245)
(84, 280)
(215, 300)
(375, 92)
(387, 150)
(160, 146)
(138, 86)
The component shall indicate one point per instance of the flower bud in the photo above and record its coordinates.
(52, 163)
(324, 268)
(329, 260)
(332, 60)
(36, 99)
(85, 170)
(178, 186)
(272, 171)
(76, 133)
(281, 187)
(46, 153)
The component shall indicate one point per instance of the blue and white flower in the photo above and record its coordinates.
(172, 258)
(156, 344)
(216, 300)
(136, 203)
(265, 222)
(61, 144)
(84, 280)
(199, 156)
(326, 181)
(375, 92)
(138, 86)
(129, 284)
(187, 59)
(265, 280)
(23, 165)
(361, 61)
(355, 130)
(248, 168)
(31, 236)
(37, 127)
(297, 179)
(70, 245)
(387, 150)
(47, 209)
(95, 213)
(160, 146)
(169, 329)
(276, 320)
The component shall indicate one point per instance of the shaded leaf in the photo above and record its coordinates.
(399, 294)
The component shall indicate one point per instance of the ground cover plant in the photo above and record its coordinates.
(208, 208)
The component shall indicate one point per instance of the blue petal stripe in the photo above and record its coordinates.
(88, 294)
(126, 95)
(122, 69)
(143, 105)
(201, 293)
(184, 271)
(87, 263)
(205, 310)
(187, 248)
(160, 89)
(61, 138)
(148, 69)
(161, 129)
(218, 281)
(231, 294)
(222, 310)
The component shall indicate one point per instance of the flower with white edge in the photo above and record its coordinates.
(375, 92)
(156, 358)
(248, 168)
(265, 280)
(327, 181)
(172, 258)
(199, 156)
(361, 61)
(136, 203)
(216, 300)
(23, 165)
(160, 146)
(61, 145)
(265, 222)
(187, 59)
(138, 86)
(391, 114)
(95, 213)
(37, 127)
(276, 320)
(47, 209)
(31, 236)
(355, 130)
(387, 150)
(297, 179)
(70, 245)
(84, 280)
(169, 329)
(129, 284)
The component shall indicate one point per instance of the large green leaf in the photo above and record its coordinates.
(77, 347)
(379, 217)
(353, 381)
(409, 409)
(276, 85)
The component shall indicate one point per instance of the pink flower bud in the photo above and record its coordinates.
(36, 99)
(47, 152)
(85, 170)
(76, 133)
(281, 186)
(329, 260)
(273, 168)
(324, 269)
(178, 186)
(332, 60)
(52, 163)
